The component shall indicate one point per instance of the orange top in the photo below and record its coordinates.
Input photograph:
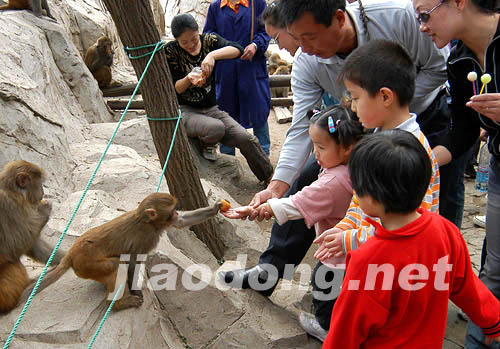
(234, 7)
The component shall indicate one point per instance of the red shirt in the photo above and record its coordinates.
(385, 313)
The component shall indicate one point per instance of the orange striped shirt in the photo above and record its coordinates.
(357, 229)
(236, 6)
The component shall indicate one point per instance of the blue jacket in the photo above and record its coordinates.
(242, 86)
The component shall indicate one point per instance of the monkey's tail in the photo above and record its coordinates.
(51, 277)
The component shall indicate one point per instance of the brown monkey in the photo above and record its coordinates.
(96, 254)
(271, 68)
(99, 58)
(33, 5)
(280, 91)
(23, 216)
(276, 59)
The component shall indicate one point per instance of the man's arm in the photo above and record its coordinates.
(297, 147)
(306, 95)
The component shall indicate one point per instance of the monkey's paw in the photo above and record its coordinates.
(136, 301)
(129, 302)
(45, 208)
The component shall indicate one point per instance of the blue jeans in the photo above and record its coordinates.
(490, 273)
(452, 192)
(262, 134)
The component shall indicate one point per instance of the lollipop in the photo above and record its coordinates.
(472, 77)
(485, 79)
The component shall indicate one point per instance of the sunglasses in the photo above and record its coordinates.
(275, 39)
(423, 17)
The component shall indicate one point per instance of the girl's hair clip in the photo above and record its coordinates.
(331, 125)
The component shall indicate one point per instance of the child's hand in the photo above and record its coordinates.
(238, 213)
(264, 212)
(331, 244)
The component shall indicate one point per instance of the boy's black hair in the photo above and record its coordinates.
(272, 15)
(381, 63)
(393, 168)
(348, 129)
(487, 6)
(322, 10)
(181, 23)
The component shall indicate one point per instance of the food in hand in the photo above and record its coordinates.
(225, 205)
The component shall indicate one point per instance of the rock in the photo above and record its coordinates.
(67, 313)
(215, 319)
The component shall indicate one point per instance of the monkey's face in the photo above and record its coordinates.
(34, 192)
(174, 217)
(105, 47)
(166, 216)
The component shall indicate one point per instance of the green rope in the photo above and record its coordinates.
(165, 119)
(105, 317)
(169, 149)
(157, 47)
(63, 234)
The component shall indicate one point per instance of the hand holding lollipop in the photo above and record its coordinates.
(485, 79)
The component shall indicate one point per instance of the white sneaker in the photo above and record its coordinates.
(479, 221)
(209, 152)
(309, 323)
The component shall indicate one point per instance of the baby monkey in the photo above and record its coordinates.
(96, 254)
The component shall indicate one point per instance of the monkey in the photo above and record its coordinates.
(23, 215)
(280, 91)
(276, 59)
(36, 6)
(271, 68)
(99, 58)
(96, 254)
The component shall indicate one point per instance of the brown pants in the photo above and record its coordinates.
(212, 125)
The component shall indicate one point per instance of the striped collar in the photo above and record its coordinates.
(234, 7)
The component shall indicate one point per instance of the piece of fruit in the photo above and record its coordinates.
(225, 205)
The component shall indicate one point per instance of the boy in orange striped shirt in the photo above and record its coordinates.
(380, 78)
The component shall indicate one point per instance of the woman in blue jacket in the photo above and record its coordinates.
(243, 84)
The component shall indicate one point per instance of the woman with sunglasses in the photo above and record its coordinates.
(475, 23)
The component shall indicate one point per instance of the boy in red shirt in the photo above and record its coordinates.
(397, 284)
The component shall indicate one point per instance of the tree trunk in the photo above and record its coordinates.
(136, 27)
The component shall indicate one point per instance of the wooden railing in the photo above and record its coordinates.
(126, 90)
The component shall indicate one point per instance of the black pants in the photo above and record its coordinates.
(326, 286)
(435, 122)
(290, 242)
